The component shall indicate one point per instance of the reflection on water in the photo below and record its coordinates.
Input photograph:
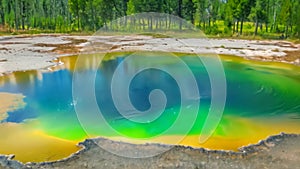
(263, 99)
(10, 103)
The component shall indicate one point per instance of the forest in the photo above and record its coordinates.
(214, 17)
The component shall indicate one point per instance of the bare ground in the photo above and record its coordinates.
(277, 152)
(19, 53)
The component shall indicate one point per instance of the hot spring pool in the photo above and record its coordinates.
(39, 122)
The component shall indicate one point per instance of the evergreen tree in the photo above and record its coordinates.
(278, 16)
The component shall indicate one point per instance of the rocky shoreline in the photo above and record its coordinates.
(280, 151)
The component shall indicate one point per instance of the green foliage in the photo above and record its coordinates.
(228, 17)
(213, 30)
(227, 31)
(296, 17)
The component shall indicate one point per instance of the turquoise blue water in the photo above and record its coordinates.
(253, 90)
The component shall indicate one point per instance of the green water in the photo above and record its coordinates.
(269, 92)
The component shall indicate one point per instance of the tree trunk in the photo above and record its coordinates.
(125, 23)
(268, 14)
(274, 17)
(160, 24)
(242, 25)
(78, 23)
(78, 19)
(261, 27)
(199, 23)
(256, 27)
(192, 12)
(16, 16)
(22, 13)
(2, 17)
(134, 23)
(170, 21)
(180, 13)
(140, 23)
(233, 30)
(150, 28)
(166, 22)
(286, 30)
(93, 16)
(192, 19)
